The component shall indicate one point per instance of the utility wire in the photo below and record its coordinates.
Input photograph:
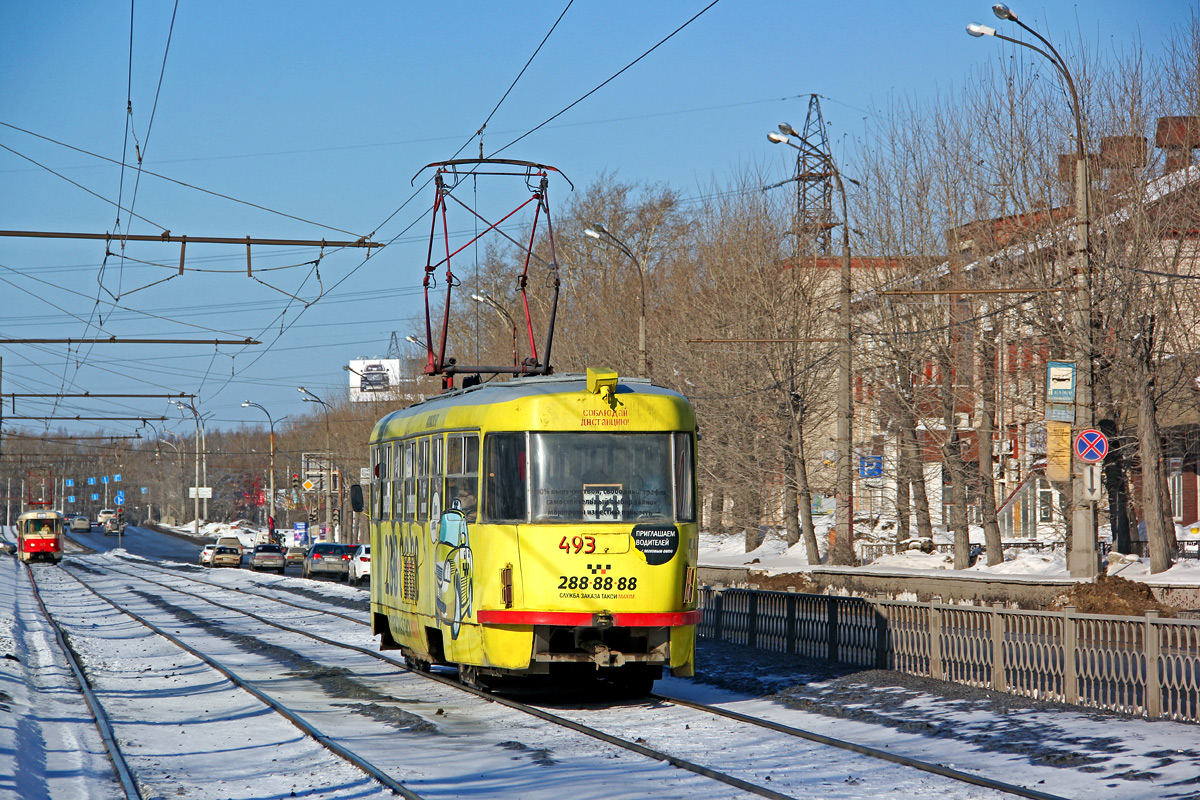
(609, 80)
(156, 175)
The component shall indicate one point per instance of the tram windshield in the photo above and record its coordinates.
(597, 477)
(40, 527)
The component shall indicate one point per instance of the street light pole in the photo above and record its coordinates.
(1081, 560)
(271, 504)
(309, 397)
(598, 231)
(196, 415)
(842, 551)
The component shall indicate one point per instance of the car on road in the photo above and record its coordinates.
(226, 557)
(268, 556)
(206, 555)
(81, 523)
(327, 558)
(113, 526)
(295, 555)
(105, 515)
(360, 565)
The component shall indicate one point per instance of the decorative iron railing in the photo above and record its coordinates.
(1137, 665)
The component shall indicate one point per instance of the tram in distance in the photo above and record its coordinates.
(40, 536)
(540, 526)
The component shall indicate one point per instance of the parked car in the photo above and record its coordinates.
(295, 555)
(113, 526)
(267, 556)
(231, 541)
(327, 558)
(105, 515)
(360, 565)
(226, 557)
(81, 523)
(206, 555)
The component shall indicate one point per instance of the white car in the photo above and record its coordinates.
(105, 515)
(206, 555)
(81, 523)
(360, 565)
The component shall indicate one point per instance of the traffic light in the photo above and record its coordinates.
(295, 483)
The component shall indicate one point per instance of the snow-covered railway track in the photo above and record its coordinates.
(122, 775)
(783, 739)
(127, 713)
(452, 688)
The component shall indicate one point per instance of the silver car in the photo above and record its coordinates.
(268, 556)
(327, 558)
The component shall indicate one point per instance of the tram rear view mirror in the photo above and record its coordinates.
(356, 497)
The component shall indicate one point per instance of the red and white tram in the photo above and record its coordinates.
(40, 536)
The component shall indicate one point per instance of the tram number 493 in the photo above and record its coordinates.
(578, 544)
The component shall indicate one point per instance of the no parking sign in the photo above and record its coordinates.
(1091, 446)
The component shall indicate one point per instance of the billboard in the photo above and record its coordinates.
(374, 379)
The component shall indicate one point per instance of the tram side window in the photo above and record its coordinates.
(377, 476)
(504, 468)
(462, 472)
(685, 491)
(385, 484)
(397, 478)
(423, 478)
(410, 481)
(435, 477)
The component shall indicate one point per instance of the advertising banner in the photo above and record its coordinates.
(1058, 451)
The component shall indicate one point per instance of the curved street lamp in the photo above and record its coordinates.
(271, 506)
(598, 231)
(196, 414)
(1081, 560)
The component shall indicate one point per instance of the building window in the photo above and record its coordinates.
(1175, 482)
(1045, 501)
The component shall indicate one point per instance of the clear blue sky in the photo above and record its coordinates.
(325, 111)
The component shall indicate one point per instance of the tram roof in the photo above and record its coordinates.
(521, 388)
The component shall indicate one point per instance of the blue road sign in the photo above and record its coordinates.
(870, 466)
(69, 482)
(120, 499)
(91, 481)
(117, 478)
(70, 498)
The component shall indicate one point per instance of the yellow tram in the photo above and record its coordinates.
(540, 526)
(40, 536)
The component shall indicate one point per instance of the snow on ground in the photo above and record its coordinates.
(774, 557)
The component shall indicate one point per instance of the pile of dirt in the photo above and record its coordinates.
(1114, 595)
(782, 583)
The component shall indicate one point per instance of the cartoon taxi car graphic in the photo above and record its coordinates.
(453, 568)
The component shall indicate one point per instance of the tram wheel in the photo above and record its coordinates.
(469, 676)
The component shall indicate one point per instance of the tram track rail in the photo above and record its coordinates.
(940, 770)
(100, 717)
(298, 720)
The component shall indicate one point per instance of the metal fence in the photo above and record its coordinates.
(1137, 665)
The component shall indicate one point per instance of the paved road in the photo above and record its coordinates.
(144, 542)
